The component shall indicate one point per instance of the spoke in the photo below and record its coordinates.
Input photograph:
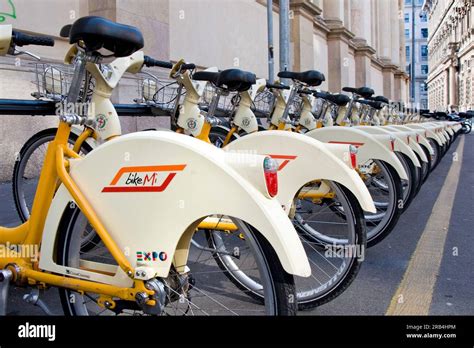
(214, 300)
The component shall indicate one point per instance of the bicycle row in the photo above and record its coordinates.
(218, 215)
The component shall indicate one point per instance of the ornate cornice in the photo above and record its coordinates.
(338, 31)
(389, 67)
(376, 62)
(362, 48)
(305, 8)
(320, 25)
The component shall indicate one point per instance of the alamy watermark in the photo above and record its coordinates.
(345, 251)
(27, 251)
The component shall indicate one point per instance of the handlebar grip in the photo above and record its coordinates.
(277, 86)
(20, 39)
(149, 62)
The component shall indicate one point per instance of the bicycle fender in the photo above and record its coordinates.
(5, 38)
(420, 136)
(400, 145)
(369, 146)
(411, 141)
(428, 132)
(152, 189)
(301, 160)
(438, 129)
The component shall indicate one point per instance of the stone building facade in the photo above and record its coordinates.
(451, 54)
(353, 42)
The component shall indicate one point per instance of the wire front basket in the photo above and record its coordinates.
(161, 93)
(227, 102)
(52, 81)
(264, 102)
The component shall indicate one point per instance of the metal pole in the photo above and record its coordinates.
(284, 35)
(271, 71)
(413, 69)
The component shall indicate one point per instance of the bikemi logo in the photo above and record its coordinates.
(143, 178)
(37, 331)
(286, 159)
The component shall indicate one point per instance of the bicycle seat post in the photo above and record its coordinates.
(214, 102)
(74, 91)
(324, 109)
(349, 107)
(79, 72)
(293, 92)
(174, 114)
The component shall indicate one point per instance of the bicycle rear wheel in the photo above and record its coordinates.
(202, 290)
(409, 186)
(385, 187)
(332, 231)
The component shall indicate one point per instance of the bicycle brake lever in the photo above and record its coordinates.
(17, 52)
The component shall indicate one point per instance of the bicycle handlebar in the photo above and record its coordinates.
(150, 62)
(20, 39)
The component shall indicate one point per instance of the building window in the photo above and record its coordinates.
(424, 32)
(419, 2)
(424, 52)
(407, 18)
(407, 32)
(423, 17)
(407, 69)
(407, 2)
(407, 51)
(424, 69)
(423, 87)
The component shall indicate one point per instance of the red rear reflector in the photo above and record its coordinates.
(392, 143)
(353, 153)
(270, 169)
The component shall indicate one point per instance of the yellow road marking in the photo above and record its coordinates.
(415, 292)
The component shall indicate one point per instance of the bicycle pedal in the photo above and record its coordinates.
(5, 277)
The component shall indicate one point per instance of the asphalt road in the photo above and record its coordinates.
(385, 264)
